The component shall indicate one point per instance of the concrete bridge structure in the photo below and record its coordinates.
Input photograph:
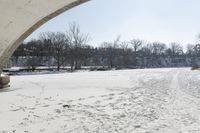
(19, 18)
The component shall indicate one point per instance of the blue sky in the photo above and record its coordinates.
(152, 20)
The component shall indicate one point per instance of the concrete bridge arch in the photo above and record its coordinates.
(19, 18)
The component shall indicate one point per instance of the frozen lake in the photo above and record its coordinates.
(124, 101)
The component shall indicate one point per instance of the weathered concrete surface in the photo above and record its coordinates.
(4, 81)
(19, 18)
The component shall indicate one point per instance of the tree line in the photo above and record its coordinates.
(72, 49)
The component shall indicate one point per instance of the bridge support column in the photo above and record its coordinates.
(4, 81)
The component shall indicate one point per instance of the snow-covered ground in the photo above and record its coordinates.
(125, 101)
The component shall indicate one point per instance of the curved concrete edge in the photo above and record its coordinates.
(7, 53)
(4, 81)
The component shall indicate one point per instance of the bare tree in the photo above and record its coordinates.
(176, 49)
(136, 44)
(76, 41)
(158, 48)
(109, 49)
(46, 42)
(126, 53)
(190, 49)
(57, 41)
(32, 63)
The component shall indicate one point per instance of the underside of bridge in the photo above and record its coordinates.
(19, 18)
